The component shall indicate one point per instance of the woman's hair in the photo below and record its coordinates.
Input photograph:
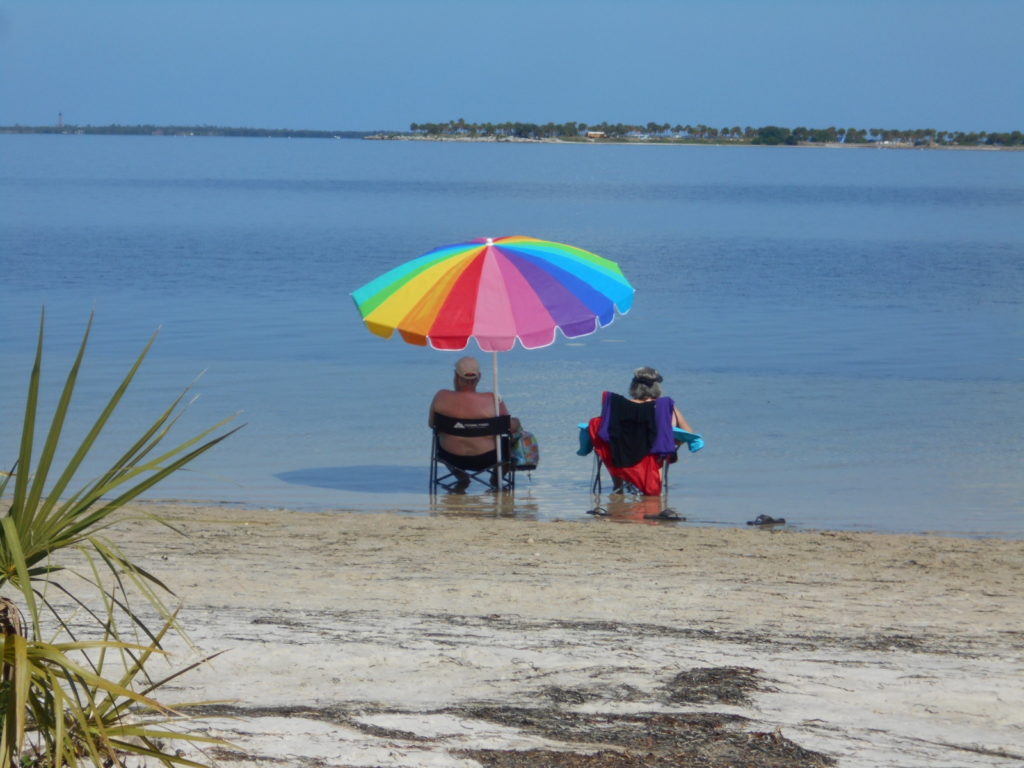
(646, 384)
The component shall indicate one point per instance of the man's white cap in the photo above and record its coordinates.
(467, 368)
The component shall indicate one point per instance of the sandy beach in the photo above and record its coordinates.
(388, 640)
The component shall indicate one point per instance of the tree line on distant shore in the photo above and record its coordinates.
(769, 134)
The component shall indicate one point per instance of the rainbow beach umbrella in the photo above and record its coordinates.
(495, 291)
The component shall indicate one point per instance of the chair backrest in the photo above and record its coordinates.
(496, 425)
(646, 424)
(455, 478)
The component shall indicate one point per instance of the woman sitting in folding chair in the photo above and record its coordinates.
(467, 452)
(633, 435)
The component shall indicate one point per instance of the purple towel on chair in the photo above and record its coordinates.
(634, 430)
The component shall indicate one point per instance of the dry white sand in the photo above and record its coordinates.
(389, 640)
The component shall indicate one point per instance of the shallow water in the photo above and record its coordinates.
(844, 327)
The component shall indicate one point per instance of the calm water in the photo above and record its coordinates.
(845, 327)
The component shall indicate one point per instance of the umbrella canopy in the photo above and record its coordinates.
(495, 290)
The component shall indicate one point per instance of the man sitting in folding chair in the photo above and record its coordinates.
(466, 431)
(637, 437)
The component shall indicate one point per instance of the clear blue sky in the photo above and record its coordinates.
(369, 64)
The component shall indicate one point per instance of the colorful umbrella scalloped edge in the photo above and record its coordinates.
(496, 291)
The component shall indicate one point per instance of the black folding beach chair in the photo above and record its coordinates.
(453, 478)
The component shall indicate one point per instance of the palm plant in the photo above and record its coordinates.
(71, 691)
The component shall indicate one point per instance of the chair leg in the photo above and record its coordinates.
(454, 479)
(497, 478)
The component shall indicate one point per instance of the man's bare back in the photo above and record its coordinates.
(464, 402)
(465, 405)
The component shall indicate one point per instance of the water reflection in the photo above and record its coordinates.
(647, 510)
(486, 504)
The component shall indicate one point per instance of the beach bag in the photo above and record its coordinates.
(525, 450)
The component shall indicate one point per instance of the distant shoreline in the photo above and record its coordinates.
(681, 143)
(228, 132)
(182, 131)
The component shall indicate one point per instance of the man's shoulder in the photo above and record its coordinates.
(444, 396)
(465, 397)
(464, 404)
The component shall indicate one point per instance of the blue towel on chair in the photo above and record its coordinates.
(693, 441)
(586, 444)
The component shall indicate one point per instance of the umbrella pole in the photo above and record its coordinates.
(497, 402)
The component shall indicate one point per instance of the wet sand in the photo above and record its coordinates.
(390, 640)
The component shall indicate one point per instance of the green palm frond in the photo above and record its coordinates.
(58, 706)
(84, 700)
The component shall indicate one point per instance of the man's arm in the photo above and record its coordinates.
(503, 411)
(430, 416)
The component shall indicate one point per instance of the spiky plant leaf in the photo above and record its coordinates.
(84, 700)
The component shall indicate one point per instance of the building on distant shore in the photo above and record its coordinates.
(596, 135)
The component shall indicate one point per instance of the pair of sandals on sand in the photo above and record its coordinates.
(665, 514)
(671, 514)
